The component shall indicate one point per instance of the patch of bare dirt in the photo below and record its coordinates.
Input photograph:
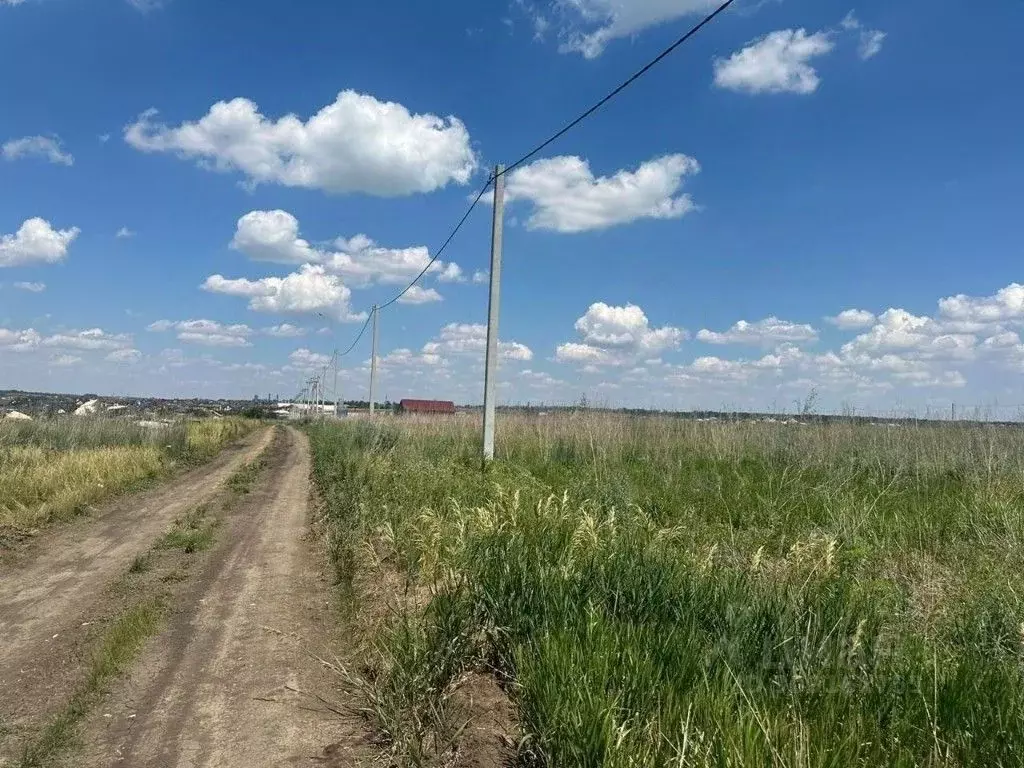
(54, 593)
(242, 676)
(486, 740)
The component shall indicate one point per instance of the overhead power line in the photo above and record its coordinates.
(444, 245)
(611, 95)
(541, 147)
(358, 336)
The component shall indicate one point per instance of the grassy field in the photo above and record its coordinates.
(654, 592)
(53, 469)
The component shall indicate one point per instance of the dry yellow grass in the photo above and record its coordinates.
(53, 469)
(39, 486)
(207, 437)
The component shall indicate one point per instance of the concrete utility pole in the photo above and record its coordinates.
(373, 364)
(336, 402)
(491, 369)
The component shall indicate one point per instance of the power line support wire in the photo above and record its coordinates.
(373, 363)
(491, 369)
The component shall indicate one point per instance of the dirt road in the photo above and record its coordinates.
(232, 682)
(46, 596)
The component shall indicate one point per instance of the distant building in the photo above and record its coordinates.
(446, 407)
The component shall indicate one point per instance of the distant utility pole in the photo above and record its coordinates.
(373, 364)
(953, 411)
(491, 369)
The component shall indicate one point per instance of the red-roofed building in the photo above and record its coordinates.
(446, 407)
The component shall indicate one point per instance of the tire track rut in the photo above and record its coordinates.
(51, 591)
(233, 681)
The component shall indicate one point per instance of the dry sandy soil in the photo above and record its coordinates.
(234, 678)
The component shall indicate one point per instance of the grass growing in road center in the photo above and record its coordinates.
(657, 592)
(118, 648)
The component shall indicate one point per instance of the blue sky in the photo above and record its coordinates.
(692, 245)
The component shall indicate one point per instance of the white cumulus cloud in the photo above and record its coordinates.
(419, 295)
(306, 360)
(471, 339)
(356, 144)
(896, 329)
(779, 62)
(274, 236)
(309, 290)
(91, 339)
(21, 340)
(208, 333)
(36, 241)
(46, 147)
(567, 197)
(1005, 305)
(767, 332)
(852, 319)
(452, 273)
(574, 352)
(362, 262)
(614, 335)
(285, 331)
(592, 24)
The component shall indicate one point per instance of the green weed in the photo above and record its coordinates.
(193, 532)
(242, 481)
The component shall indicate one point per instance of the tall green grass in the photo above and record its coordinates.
(656, 592)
